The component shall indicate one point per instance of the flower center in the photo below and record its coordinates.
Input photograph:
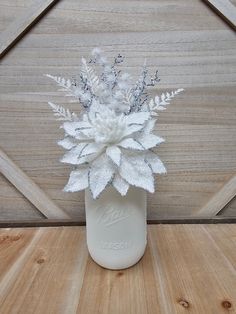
(109, 128)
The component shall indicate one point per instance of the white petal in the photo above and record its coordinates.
(73, 128)
(82, 137)
(149, 126)
(69, 128)
(132, 128)
(81, 125)
(78, 180)
(131, 143)
(114, 153)
(71, 157)
(120, 185)
(137, 117)
(88, 132)
(100, 175)
(91, 148)
(136, 172)
(155, 163)
(150, 140)
(86, 159)
(84, 128)
(66, 143)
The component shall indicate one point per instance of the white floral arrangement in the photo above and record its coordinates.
(111, 141)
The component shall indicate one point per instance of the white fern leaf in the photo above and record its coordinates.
(166, 97)
(62, 113)
(91, 77)
(66, 85)
(61, 81)
(160, 103)
(128, 98)
(163, 97)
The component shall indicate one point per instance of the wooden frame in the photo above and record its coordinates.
(54, 214)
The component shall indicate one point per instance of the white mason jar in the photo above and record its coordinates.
(116, 227)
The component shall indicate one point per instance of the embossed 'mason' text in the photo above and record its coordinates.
(121, 245)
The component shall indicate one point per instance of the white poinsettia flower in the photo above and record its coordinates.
(110, 149)
(112, 143)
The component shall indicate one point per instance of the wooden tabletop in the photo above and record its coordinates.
(186, 269)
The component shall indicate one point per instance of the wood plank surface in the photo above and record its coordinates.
(192, 48)
(185, 269)
(10, 9)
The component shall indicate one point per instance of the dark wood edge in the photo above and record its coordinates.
(71, 222)
(214, 220)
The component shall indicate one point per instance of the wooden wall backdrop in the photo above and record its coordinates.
(191, 46)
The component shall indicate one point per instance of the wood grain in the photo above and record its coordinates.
(29, 189)
(23, 23)
(10, 9)
(48, 270)
(220, 199)
(50, 252)
(192, 48)
(226, 9)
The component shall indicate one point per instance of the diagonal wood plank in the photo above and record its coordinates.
(219, 199)
(29, 188)
(225, 9)
(22, 24)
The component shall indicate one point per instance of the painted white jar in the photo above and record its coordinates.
(116, 227)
